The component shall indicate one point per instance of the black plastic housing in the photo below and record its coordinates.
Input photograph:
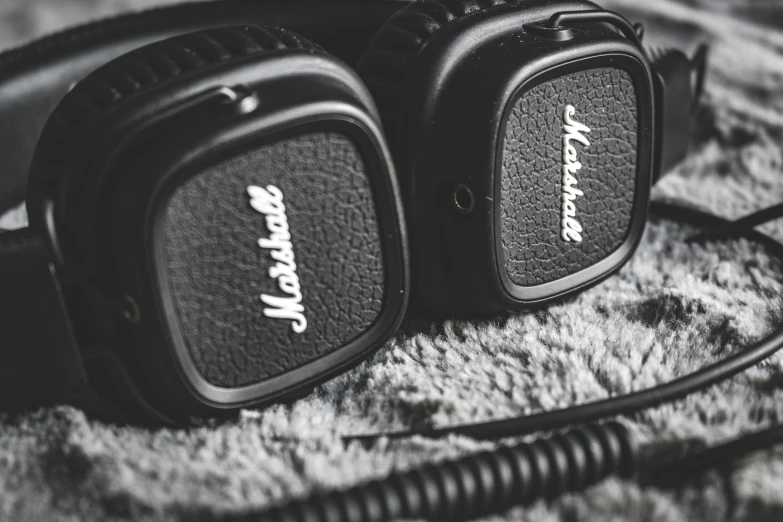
(448, 128)
(674, 98)
(145, 149)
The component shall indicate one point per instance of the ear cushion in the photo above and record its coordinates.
(382, 66)
(139, 71)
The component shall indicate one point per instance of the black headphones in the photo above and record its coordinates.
(102, 295)
(216, 219)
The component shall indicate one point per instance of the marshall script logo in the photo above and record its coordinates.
(269, 201)
(570, 228)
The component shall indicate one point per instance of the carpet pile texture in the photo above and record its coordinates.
(674, 308)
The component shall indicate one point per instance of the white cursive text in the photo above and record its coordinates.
(571, 229)
(269, 201)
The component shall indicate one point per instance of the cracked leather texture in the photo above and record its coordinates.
(531, 196)
(217, 272)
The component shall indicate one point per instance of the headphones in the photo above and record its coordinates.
(225, 213)
(216, 219)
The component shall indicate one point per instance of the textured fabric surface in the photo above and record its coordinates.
(673, 308)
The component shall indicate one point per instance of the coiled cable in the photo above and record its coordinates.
(492, 482)
(477, 485)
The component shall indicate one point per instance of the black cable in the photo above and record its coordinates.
(494, 481)
(491, 482)
(671, 474)
(478, 485)
(633, 402)
(740, 226)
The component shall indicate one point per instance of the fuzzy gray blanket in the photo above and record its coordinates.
(674, 308)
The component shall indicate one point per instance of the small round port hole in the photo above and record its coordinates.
(463, 199)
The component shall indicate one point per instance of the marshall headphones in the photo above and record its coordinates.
(231, 202)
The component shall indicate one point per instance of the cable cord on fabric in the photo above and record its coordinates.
(491, 482)
(674, 472)
(639, 400)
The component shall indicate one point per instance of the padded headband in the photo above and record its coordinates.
(34, 78)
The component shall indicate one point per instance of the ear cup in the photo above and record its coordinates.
(162, 185)
(478, 104)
